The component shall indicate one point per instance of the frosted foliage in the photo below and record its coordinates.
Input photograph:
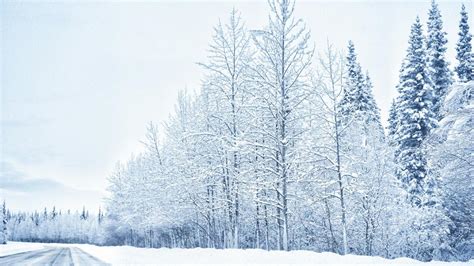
(452, 158)
(414, 116)
(464, 54)
(3, 225)
(440, 75)
(282, 148)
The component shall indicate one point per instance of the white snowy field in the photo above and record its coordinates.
(164, 256)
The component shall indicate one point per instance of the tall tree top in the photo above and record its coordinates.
(435, 28)
(440, 75)
(415, 60)
(357, 96)
(392, 119)
(354, 71)
(414, 116)
(464, 55)
(282, 9)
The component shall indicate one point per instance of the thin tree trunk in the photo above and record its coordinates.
(331, 231)
(267, 230)
(257, 224)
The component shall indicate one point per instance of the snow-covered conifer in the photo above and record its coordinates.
(439, 73)
(415, 117)
(3, 225)
(357, 99)
(464, 54)
(392, 119)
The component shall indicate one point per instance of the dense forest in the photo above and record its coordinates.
(55, 226)
(283, 148)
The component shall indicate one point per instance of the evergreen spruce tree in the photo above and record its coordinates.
(353, 79)
(3, 225)
(84, 213)
(54, 213)
(464, 55)
(357, 97)
(415, 117)
(372, 105)
(99, 216)
(440, 75)
(392, 120)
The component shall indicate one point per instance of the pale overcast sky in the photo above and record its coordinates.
(80, 80)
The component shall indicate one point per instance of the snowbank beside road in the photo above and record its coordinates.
(128, 255)
(133, 255)
(164, 256)
(19, 247)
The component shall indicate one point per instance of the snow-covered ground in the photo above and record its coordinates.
(18, 247)
(132, 255)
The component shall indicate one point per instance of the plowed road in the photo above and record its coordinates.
(51, 256)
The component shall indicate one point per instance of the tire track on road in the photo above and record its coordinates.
(85, 258)
(52, 256)
(23, 257)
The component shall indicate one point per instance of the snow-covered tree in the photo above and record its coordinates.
(325, 148)
(269, 154)
(415, 116)
(65, 227)
(437, 64)
(353, 83)
(228, 85)
(3, 225)
(366, 164)
(392, 120)
(357, 96)
(374, 110)
(452, 156)
(464, 55)
(351, 187)
(284, 58)
(100, 216)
